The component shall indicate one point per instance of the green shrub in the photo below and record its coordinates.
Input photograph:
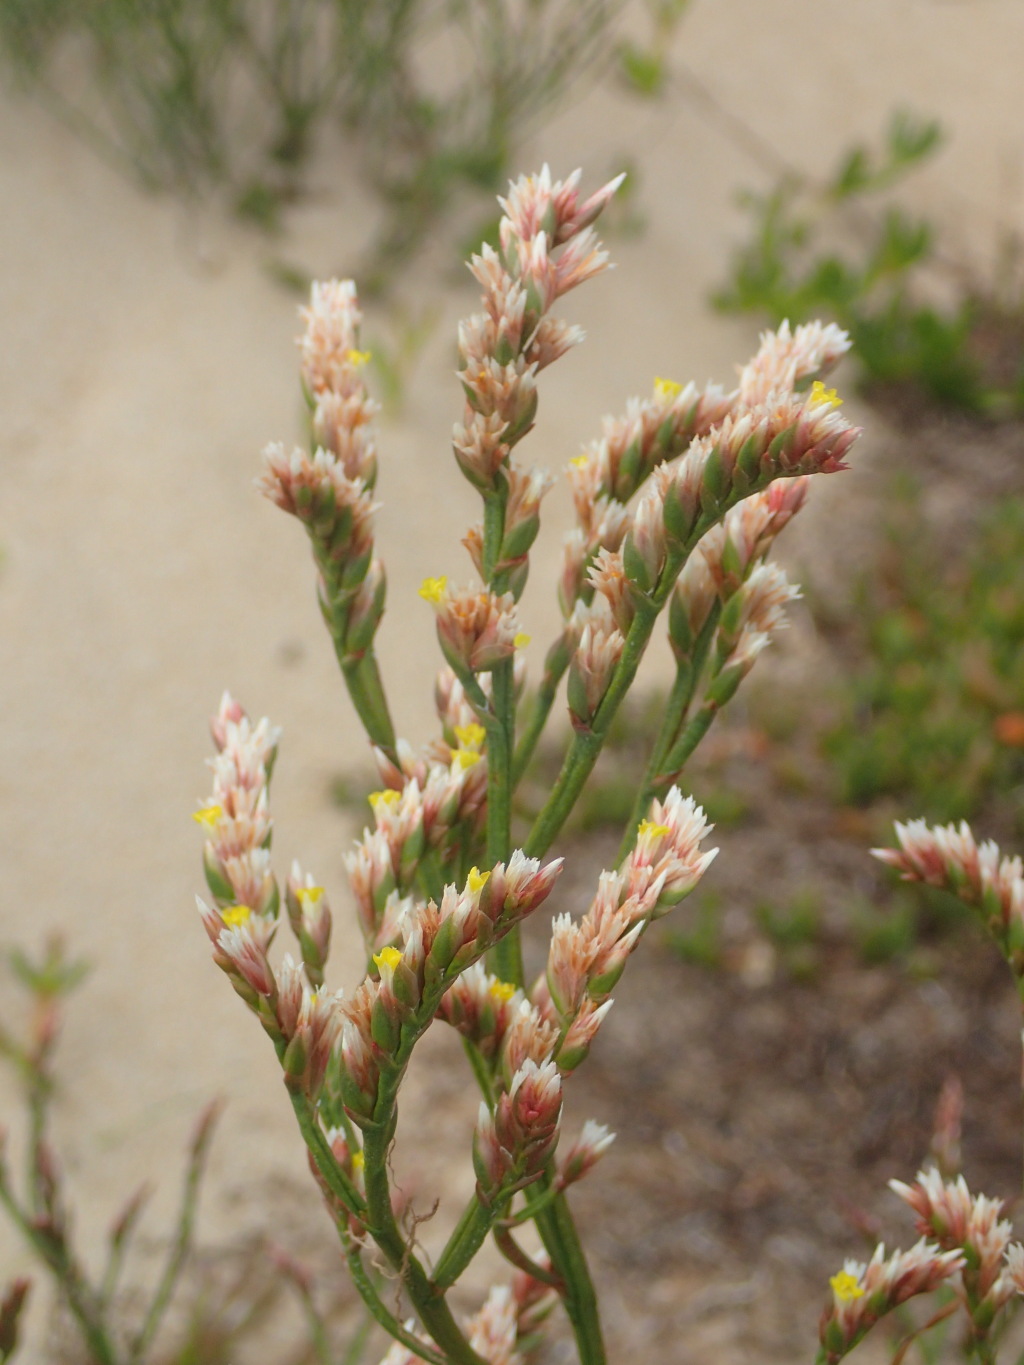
(933, 709)
(967, 356)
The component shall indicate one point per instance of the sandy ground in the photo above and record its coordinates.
(149, 357)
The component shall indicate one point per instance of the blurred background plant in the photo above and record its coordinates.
(880, 284)
(219, 1297)
(228, 97)
(644, 66)
(931, 710)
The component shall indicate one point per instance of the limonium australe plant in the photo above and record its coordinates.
(677, 504)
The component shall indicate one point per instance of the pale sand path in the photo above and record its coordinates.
(149, 357)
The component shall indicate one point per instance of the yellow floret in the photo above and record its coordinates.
(433, 589)
(667, 388)
(477, 880)
(387, 958)
(819, 394)
(648, 827)
(470, 736)
(846, 1287)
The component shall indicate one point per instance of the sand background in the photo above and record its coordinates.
(149, 356)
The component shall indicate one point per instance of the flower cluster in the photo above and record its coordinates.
(704, 465)
(862, 1294)
(587, 957)
(434, 943)
(970, 1225)
(548, 247)
(948, 857)
(677, 505)
(476, 629)
(302, 1019)
(329, 488)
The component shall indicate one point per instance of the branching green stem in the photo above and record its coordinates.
(334, 1177)
(376, 1305)
(688, 672)
(431, 1307)
(586, 744)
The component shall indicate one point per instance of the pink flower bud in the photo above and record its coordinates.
(586, 1151)
(591, 670)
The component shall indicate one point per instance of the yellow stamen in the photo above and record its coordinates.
(649, 828)
(387, 958)
(846, 1287)
(208, 816)
(501, 990)
(358, 1161)
(465, 758)
(579, 461)
(358, 358)
(309, 895)
(477, 880)
(667, 388)
(235, 915)
(521, 639)
(382, 800)
(470, 736)
(819, 394)
(432, 590)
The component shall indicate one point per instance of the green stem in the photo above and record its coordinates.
(494, 530)
(506, 957)
(366, 689)
(696, 728)
(53, 1252)
(431, 1308)
(368, 1292)
(467, 1239)
(561, 1240)
(182, 1238)
(480, 1070)
(535, 723)
(499, 764)
(667, 772)
(335, 1178)
(515, 1255)
(586, 744)
(675, 709)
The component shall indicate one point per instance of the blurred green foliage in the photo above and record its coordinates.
(932, 710)
(968, 355)
(644, 66)
(231, 95)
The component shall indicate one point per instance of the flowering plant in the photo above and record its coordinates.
(677, 505)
